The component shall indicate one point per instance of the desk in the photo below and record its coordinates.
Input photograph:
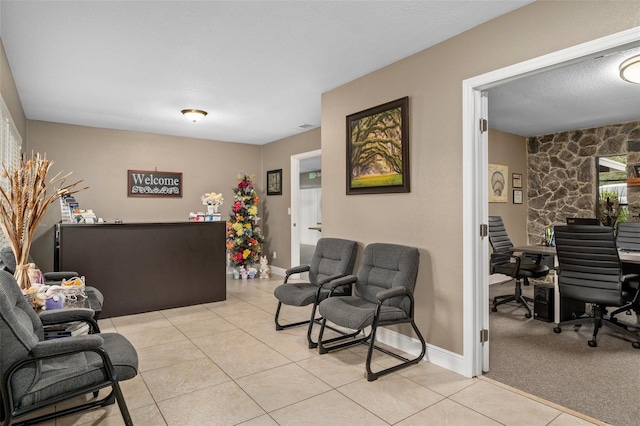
(625, 257)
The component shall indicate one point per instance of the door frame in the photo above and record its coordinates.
(475, 193)
(295, 187)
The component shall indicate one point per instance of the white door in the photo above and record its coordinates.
(306, 205)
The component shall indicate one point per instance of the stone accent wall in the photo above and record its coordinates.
(562, 174)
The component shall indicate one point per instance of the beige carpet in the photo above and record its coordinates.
(601, 382)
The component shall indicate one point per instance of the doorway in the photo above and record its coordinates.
(306, 205)
(475, 193)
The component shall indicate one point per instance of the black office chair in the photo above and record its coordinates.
(628, 236)
(332, 258)
(503, 261)
(383, 296)
(628, 239)
(590, 271)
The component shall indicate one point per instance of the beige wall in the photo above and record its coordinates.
(277, 155)
(101, 158)
(511, 150)
(430, 217)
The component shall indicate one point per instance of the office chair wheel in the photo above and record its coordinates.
(592, 343)
(636, 345)
(527, 315)
(557, 330)
(494, 309)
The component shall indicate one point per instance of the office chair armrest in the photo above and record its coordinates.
(297, 270)
(67, 345)
(503, 256)
(59, 276)
(57, 316)
(61, 316)
(389, 293)
(345, 280)
(330, 278)
(630, 278)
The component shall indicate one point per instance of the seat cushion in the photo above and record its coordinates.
(296, 294)
(356, 313)
(528, 270)
(59, 376)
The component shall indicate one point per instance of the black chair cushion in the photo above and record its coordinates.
(527, 270)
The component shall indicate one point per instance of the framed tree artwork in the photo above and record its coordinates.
(378, 149)
(274, 182)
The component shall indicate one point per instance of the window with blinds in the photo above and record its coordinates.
(10, 147)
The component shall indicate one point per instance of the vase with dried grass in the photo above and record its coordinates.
(24, 198)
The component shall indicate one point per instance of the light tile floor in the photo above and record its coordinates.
(223, 363)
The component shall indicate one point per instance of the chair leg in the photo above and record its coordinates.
(280, 327)
(517, 296)
(323, 349)
(371, 376)
(598, 321)
(124, 411)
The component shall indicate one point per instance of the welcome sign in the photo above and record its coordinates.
(145, 183)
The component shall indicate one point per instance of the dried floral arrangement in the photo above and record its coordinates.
(23, 203)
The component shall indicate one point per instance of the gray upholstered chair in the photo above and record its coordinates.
(383, 296)
(332, 258)
(36, 373)
(504, 262)
(8, 263)
(589, 270)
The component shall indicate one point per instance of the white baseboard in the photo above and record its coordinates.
(435, 355)
(278, 271)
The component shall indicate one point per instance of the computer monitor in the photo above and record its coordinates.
(582, 221)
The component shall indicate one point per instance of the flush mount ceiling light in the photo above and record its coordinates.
(194, 114)
(630, 70)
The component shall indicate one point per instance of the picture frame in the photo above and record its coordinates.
(378, 149)
(516, 180)
(498, 183)
(517, 196)
(274, 182)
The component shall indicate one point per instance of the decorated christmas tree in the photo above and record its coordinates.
(244, 236)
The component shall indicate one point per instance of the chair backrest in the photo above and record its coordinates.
(20, 328)
(332, 256)
(8, 260)
(589, 265)
(628, 236)
(499, 240)
(385, 266)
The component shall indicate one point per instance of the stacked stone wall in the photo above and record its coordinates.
(562, 177)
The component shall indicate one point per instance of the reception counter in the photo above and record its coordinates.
(142, 267)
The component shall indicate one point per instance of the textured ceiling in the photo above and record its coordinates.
(258, 67)
(587, 94)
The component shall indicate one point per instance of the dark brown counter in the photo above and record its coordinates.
(141, 267)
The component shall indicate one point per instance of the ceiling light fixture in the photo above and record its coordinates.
(194, 114)
(630, 70)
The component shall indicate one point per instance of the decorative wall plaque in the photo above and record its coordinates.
(146, 183)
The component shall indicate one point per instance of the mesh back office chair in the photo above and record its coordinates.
(504, 262)
(35, 373)
(590, 271)
(332, 258)
(383, 296)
